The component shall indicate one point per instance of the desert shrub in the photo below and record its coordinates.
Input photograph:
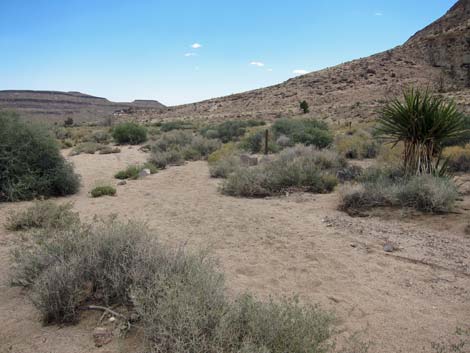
(99, 136)
(349, 173)
(357, 146)
(68, 122)
(129, 133)
(109, 150)
(176, 125)
(62, 133)
(283, 141)
(255, 142)
(224, 167)
(230, 130)
(179, 297)
(424, 193)
(30, 162)
(88, 148)
(103, 190)
(43, 214)
(67, 143)
(174, 147)
(462, 139)
(225, 150)
(132, 171)
(458, 158)
(302, 168)
(304, 131)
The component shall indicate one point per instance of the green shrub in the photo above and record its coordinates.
(424, 193)
(303, 168)
(224, 167)
(103, 190)
(225, 150)
(109, 150)
(30, 162)
(129, 133)
(358, 145)
(230, 130)
(99, 137)
(132, 171)
(88, 148)
(43, 214)
(177, 297)
(175, 147)
(255, 143)
(176, 125)
(304, 131)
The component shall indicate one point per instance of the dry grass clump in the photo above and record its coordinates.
(303, 168)
(358, 144)
(43, 214)
(458, 158)
(88, 147)
(380, 188)
(177, 297)
(177, 146)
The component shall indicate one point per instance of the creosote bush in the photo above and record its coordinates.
(132, 171)
(308, 132)
(458, 158)
(30, 162)
(230, 130)
(381, 188)
(103, 190)
(43, 214)
(357, 145)
(179, 297)
(177, 146)
(129, 133)
(88, 148)
(303, 168)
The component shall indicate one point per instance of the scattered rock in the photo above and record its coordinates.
(102, 336)
(144, 173)
(389, 247)
(122, 182)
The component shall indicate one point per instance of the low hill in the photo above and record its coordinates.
(57, 106)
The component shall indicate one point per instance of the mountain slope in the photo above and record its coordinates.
(433, 57)
(56, 106)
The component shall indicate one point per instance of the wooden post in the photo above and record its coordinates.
(266, 137)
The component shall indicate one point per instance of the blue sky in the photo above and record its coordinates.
(143, 49)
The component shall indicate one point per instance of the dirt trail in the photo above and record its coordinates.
(299, 244)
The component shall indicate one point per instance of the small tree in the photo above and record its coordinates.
(424, 123)
(304, 106)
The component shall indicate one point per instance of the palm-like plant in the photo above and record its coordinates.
(423, 122)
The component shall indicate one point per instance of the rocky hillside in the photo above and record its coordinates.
(437, 57)
(57, 106)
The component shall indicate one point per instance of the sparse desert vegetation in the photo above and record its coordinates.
(103, 190)
(129, 133)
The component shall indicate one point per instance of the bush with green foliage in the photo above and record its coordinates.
(31, 164)
(103, 190)
(304, 107)
(177, 146)
(390, 187)
(357, 145)
(43, 214)
(88, 148)
(176, 125)
(222, 168)
(304, 131)
(132, 171)
(254, 142)
(177, 297)
(129, 133)
(301, 168)
(230, 130)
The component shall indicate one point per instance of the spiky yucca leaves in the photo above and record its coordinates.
(423, 122)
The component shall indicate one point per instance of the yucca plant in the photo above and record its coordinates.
(423, 122)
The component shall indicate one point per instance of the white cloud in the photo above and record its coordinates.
(300, 72)
(190, 54)
(269, 69)
(196, 46)
(378, 13)
(257, 63)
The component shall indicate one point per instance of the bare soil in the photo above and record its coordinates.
(299, 244)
